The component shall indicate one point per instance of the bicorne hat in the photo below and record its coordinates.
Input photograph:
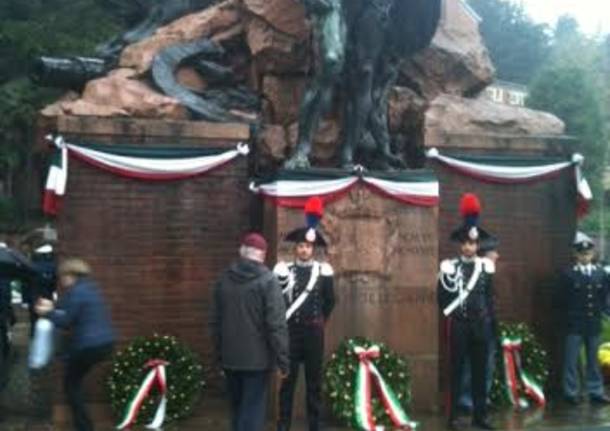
(470, 209)
(314, 210)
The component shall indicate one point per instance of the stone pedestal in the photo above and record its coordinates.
(156, 248)
(385, 258)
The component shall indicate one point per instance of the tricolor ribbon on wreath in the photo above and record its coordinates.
(156, 376)
(139, 163)
(519, 384)
(368, 376)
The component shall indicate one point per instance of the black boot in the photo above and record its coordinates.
(599, 400)
(453, 424)
(283, 426)
(483, 424)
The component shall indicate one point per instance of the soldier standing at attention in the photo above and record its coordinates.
(583, 296)
(307, 285)
(465, 299)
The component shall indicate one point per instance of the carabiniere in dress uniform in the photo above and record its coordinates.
(465, 299)
(307, 285)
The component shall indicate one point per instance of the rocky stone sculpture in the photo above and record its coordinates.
(225, 102)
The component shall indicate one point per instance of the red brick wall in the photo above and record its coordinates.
(535, 224)
(155, 248)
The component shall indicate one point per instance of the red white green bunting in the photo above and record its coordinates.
(293, 189)
(368, 376)
(149, 164)
(55, 186)
(519, 384)
(518, 171)
(156, 376)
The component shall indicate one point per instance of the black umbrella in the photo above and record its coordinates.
(15, 264)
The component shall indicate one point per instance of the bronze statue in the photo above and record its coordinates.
(217, 104)
(381, 34)
(330, 33)
(144, 18)
(67, 72)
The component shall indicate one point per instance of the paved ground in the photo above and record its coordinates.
(560, 418)
(213, 416)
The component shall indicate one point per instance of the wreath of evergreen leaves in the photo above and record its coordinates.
(340, 380)
(184, 373)
(534, 359)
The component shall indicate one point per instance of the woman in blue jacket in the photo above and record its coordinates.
(80, 310)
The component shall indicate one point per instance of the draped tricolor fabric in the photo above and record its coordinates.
(292, 188)
(135, 162)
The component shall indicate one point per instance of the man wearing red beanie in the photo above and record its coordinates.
(249, 330)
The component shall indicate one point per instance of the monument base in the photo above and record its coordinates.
(385, 256)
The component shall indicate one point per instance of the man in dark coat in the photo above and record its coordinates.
(583, 298)
(465, 299)
(7, 314)
(308, 288)
(249, 332)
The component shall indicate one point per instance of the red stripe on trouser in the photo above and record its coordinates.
(448, 398)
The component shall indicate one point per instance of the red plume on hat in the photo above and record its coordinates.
(314, 210)
(470, 208)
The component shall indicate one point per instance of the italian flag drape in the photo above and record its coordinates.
(149, 164)
(513, 170)
(57, 178)
(292, 188)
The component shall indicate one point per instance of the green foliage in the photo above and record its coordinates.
(8, 211)
(184, 377)
(572, 86)
(534, 360)
(592, 222)
(29, 29)
(340, 380)
(570, 93)
(49, 27)
(567, 74)
(517, 45)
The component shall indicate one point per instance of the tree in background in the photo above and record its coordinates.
(518, 46)
(29, 29)
(602, 79)
(573, 86)
(567, 73)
